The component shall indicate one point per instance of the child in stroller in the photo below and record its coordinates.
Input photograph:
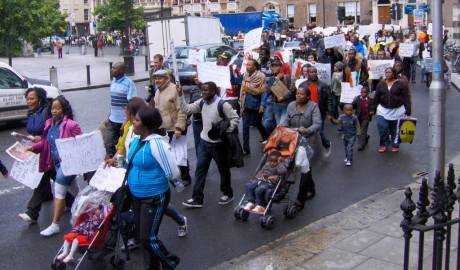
(265, 181)
(83, 232)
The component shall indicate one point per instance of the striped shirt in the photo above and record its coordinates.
(121, 91)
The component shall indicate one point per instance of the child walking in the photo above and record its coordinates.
(336, 88)
(363, 106)
(350, 129)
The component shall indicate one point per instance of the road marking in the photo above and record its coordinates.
(11, 190)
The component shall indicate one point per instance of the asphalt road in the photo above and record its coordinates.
(214, 234)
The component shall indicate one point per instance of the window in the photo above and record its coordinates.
(9, 80)
(86, 14)
(312, 13)
(85, 1)
(352, 12)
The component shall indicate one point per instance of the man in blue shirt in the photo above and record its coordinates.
(122, 90)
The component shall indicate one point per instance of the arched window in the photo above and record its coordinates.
(250, 9)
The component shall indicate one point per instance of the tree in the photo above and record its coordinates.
(110, 15)
(27, 21)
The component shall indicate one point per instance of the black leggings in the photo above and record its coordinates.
(148, 214)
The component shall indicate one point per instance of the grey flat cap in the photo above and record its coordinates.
(161, 73)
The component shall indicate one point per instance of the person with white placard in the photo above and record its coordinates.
(60, 125)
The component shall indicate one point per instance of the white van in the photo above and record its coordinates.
(12, 89)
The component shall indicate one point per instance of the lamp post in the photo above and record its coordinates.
(127, 54)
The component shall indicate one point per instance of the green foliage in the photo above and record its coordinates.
(110, 15)
(27, 21)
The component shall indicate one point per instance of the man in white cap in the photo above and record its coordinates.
(174, 120)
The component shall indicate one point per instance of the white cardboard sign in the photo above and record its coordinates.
(253, 39)
(334, 41)
(26, 172)
(210, 72)
(349, 93)
(81, 154)
(406, 50)
(108, 179)
(377, 68)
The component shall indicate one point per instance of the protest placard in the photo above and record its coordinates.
(210, 72)
(253, 39)
(196, 56)
(334, 41)
(108, 179)
(26, 172)
(81, 154)
(406, 50)
(377, 68)
(428, 64)
(329, 30)
(369, 30)
(349, 93)
(18, 152)
(324, 72)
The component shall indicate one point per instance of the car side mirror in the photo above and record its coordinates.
(25, 84)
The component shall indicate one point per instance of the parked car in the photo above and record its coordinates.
(187, 70)
(238, 45)
(12, 89)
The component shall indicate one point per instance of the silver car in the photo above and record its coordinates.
(12, 89)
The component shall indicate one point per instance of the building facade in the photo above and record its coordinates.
(80, 15)
(319, 12)
(381, 12)
(203, 7)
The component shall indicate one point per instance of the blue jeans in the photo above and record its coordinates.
(387, 132)
(268, 119)
(259, 190)
(422, 74)
(206, 153)
(349, 142)
(324, 140)
(252, 118)
(413, 69)
(280, 112)
(197, 127)
(61, 178)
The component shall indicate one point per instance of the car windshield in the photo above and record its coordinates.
(181, 52)
(292, 44)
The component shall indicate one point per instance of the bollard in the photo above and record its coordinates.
(54, 76)
(146, 63)
(88, 75)
(110, 71)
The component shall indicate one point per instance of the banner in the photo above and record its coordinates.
(406, 50)
(334, 41)
(369, 30)
(377, 68)
(210, 72)
(81, 154)
(196, 56)
(349, 93)
(26, 172)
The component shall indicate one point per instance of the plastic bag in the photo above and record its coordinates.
(301, 160)
(406, 130)
(88, 198)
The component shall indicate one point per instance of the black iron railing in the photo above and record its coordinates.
(435, 216)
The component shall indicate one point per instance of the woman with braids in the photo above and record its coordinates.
(60, 125)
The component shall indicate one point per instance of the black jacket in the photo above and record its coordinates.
(398, 95)
(324, 97)
(231, 141)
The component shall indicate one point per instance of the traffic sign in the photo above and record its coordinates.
(418, 16)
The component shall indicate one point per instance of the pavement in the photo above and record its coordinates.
(71, 69)
(365, 235)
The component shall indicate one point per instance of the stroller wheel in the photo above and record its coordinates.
(244, 215)
(236, 213)
(291, 211)
(267, 222)
(117, 262)
(58, 265)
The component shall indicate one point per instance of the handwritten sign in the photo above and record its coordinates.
(196, 56)
(349, 93)
(108, 179)
(18, 152)
(377, 68)
(81, 154)
(324, 72)
(253, 39)
(406, 49)
(334, 41)
(26, 172)
(210, 72)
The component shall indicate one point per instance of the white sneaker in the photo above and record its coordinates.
(68, 259)
(51, 230)
(182, 230)
(249, 206)
(25, 217)
(61, 256)
(348, 163)
(328, 151)
(346, 160)
(225, 200)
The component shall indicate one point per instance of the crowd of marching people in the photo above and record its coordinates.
(271, 92)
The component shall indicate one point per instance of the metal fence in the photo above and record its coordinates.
(433, 214)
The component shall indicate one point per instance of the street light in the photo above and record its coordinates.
(127, 54)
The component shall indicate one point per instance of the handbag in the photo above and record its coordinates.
(121, 199)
